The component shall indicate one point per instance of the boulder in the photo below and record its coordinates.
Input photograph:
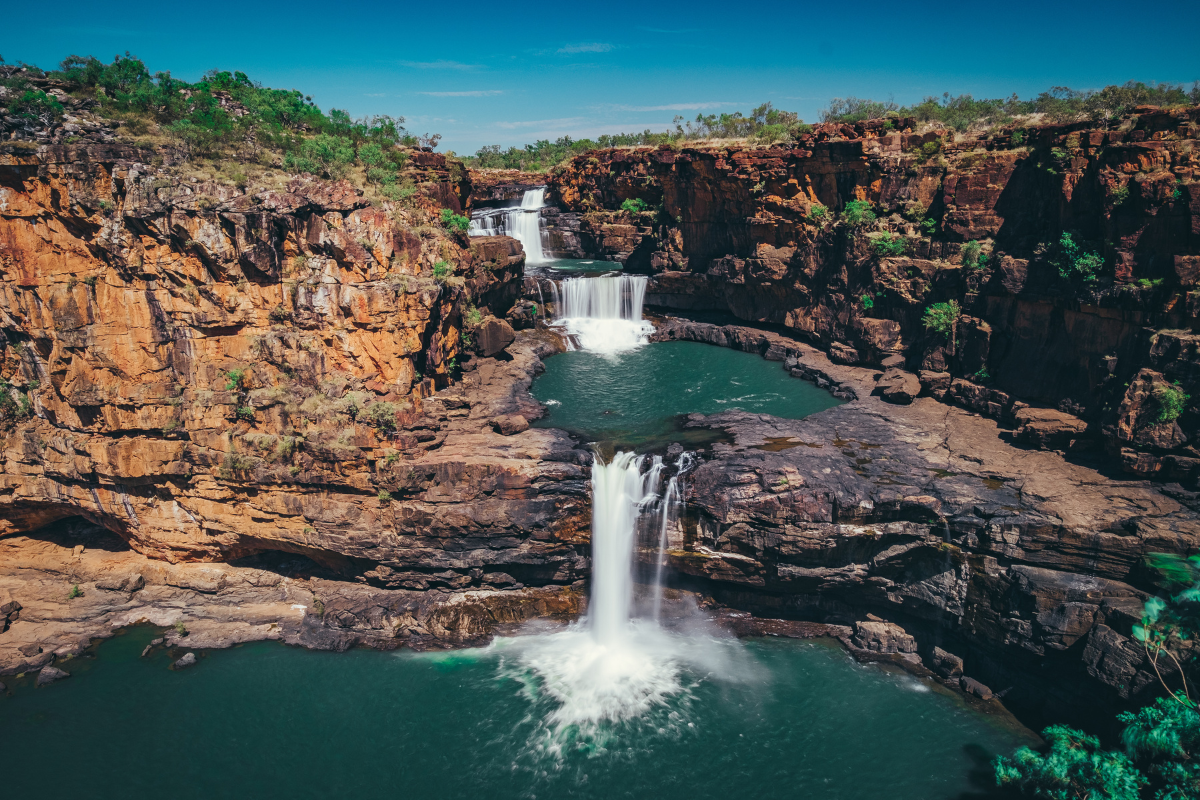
(9, 612)
(186, 661)
(946, 664)
(840, 353)
(121, 583)
(974, 687)
(897, 386)
(509, 424)
(894, 361)
(493, 335)
(883, 637)
(48, 675)
(1048, 428)
(936, 383)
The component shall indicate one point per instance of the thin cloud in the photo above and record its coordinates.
(477, 93)
(508, 126)
(439, 65)
(673, 106)
(587, 47)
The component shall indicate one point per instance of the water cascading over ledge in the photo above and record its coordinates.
(602, 314)
(523, 223)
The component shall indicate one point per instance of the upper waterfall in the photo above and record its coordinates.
(602, 314)
(523, 223)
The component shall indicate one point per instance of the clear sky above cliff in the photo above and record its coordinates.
(504, 73)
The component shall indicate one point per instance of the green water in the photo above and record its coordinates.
(265, 721)
(637, 397)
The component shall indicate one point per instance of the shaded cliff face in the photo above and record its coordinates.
(755, 233)
(211, 372)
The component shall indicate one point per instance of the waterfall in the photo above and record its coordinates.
(602, 314)
(615, 665)
(669, 511)
(523, 222)
(620, 491)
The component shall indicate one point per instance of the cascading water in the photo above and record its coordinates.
(523, 222)
(614, 665)
(602, 314)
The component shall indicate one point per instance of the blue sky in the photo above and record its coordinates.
(510, 73)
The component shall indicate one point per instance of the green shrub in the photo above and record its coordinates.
(235, 378)
(973, 256)
(858, 213)
(929, 226)
(455, 222)
(442, 270)
(889, 244)
(867, 301)
(180, 628)
(380, 414)
(818, 213)
(385, 496)
(1119, 195)
(634, 205)
(245, 412)
(943, 318)
(473, 316)
(1171, 402)
(1019, 137)
(326, 154)
(75, 592)
(35, 104)
(1073, 261)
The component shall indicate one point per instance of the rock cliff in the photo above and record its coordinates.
(753, 232)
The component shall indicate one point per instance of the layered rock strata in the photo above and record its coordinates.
(761, 234)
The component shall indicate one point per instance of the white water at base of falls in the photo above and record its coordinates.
(613, 666)
(604, 314)
(523, 223)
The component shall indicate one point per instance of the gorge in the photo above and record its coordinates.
(293, 409)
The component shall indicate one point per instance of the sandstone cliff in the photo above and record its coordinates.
(753, 233)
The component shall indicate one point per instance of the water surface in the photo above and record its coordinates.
(265, 721)
(636, 397)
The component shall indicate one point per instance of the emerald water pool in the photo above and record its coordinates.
(639, 395)
(801, 719)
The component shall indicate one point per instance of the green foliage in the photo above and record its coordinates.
(929, 226)
(765, 124)
(456, 223)
(196, 115)
(14, 404)
(858, 213)
(473, 316)
(1171, 402)
(75, 592)
(442, 270)
(380, 414)
(180, 628)
(324, 154)
(34, 104)
(1059, 104)
(1019, 137)
(943, 318)
(1161, 741)
(634, 205)
(1119, 195)
(1072, 260)
(235, 378)
(818, 213)
(245, 412)
(973, 256)
(867, 301)
(1075, 768)
(385, 496)
(889, 244)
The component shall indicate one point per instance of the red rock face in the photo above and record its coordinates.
(211, 373)
(742, 231)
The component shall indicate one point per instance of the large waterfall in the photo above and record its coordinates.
(618, 663)
(523, 222)
(602, 314)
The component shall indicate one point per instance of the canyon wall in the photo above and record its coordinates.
(756, 234)
(212, 371)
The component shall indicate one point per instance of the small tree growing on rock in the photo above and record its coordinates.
(943, 318)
